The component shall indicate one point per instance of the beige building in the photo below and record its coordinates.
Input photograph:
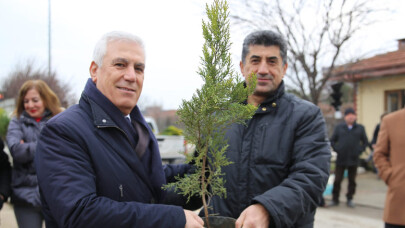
(379, 85)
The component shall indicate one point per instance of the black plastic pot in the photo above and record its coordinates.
(220, 222)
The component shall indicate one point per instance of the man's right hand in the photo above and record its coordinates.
(193, 220)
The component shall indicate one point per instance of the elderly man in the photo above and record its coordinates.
(98, 163)
(281, 158)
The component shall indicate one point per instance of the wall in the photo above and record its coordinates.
(370, 100)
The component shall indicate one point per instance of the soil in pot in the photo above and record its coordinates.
(220, 222)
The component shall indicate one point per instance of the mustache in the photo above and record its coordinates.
(268, 76)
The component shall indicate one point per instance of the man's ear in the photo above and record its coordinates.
(241, 66)
(93, 71)
(285, 67)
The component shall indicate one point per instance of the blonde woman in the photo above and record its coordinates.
(36, 104)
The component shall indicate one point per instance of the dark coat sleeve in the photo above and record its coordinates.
(301, 192)
(375, 135)
(174, 197)
(21, 152)
(68, 186)
(364, 140)
(335, 137)
(5, 174)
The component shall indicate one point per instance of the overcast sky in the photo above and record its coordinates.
(171, 30)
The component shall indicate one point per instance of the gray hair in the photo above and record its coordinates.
(101, 46)
(266, 38)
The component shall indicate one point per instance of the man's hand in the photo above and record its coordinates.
(193, 220)
(254, 216)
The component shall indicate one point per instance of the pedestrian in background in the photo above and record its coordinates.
(348, 140)
(5, 175)
(389, 158)
(35, 105)
(98, 162)
(281, 156)
(374, 142)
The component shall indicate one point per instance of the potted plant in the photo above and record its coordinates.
(218, 104)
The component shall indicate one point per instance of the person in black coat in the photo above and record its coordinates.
(98, 162)
(349, 140)
(5, 175)
(374, 142)
(281, 156)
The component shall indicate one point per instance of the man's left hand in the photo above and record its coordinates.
(253, 216)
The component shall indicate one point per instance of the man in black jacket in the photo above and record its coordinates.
(281, 157)
(5, 175)
(349, 140)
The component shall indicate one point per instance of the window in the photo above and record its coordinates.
(394, 100)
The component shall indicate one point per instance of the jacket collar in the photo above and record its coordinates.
(101, 105)
(271, 103)
(353, 126)
(26, 118)
(275, 94)
(106, 114)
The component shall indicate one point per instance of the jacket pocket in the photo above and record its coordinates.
(269, 145)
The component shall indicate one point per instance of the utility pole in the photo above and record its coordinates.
(49, 38)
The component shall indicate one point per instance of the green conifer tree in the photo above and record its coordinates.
(219, 103)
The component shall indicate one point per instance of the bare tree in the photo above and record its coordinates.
(316, 33)
(15, 79)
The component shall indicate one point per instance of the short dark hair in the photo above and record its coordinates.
(266, 38)
(350, 111)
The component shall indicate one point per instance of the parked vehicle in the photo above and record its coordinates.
(172, 147)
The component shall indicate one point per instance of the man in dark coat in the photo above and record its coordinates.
(5, 175)
(98, 162)
(281, 157)
(349, 140)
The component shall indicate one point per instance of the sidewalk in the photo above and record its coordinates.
(7, 217)
(370, 191)
(369, 199)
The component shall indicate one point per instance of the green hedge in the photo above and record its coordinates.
(172, 130)
(4, 120)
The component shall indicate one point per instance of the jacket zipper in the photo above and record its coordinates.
(100, 127)
(121, 190)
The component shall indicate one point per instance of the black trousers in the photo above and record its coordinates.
(351, 188)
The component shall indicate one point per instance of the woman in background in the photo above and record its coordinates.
(36, 104)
